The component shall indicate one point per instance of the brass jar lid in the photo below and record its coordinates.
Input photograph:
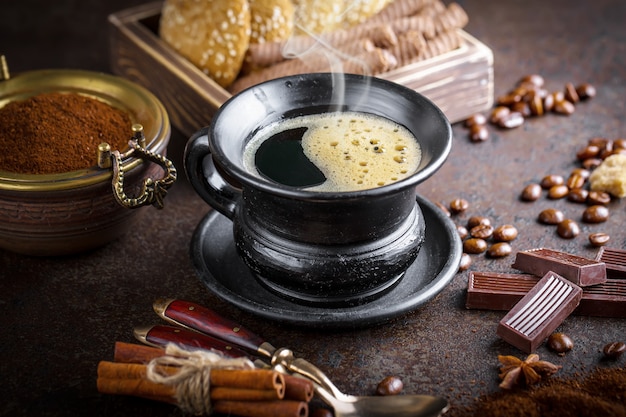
(143, 107)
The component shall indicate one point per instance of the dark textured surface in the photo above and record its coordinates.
(60, 316)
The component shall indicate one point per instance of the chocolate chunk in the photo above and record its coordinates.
(539, 312)
(615, 260)
(581, 271)
(501, 291)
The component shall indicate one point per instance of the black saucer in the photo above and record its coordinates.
(216, 261)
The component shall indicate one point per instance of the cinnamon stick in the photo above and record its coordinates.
(281, 408)
(245, 394)
(134, 353)
(116, 370)
(298, 389)
(137, 387)
(248, 378)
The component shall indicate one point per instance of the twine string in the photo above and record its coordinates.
(192, 379)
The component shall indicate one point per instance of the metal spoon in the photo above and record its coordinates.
(209, 322)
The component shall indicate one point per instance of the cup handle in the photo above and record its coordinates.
(205, 178)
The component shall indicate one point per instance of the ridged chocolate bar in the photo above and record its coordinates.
(539, 312)
(615, 261)
(501, 291)
(581, 271)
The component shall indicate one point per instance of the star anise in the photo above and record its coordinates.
(529, 371)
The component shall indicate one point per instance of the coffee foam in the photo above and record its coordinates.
(354, 150)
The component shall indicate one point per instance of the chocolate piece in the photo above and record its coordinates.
(539, 312)
(501, 291)
(581, 271)
(615, 260)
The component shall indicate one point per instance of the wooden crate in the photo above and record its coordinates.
(460, 82)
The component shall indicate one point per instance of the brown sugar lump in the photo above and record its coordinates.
(270, 20)
(212, 34)
(610, 176)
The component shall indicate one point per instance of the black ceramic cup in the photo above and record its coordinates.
(322, 248)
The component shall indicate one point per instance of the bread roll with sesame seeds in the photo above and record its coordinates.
(212, 34)
(271, 20)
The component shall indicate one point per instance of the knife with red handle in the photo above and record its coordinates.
(161, 336)
(196, 317)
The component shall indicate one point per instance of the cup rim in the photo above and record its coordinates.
(246, 178)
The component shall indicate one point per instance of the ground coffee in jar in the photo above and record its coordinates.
(57, 132)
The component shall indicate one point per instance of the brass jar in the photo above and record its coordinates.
(60, 214)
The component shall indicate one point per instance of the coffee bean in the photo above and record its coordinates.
(534, 79)
(499, 250)
(575, 181)
(598, 197)
(466, 262)
(589, 151)
(548, 103)
(482, 231)
(477, 119)
(578, 195)
(560, 343)
(532, 192)
(459, 205)
(568, 229)
(599, 239)
(536, 105)
(558, 191)
(596, 214)
(614, 350)
(551, 180)
(522, 108)
(498, 113)
(505, 233)
(512, 120)
(582, 172)
(591, 163)
(508, 100)
(619, 143)
(564, 107)
(478, 220)
(601, 142)
(462, 231)
(391, 385)
(478, 133)
(586, 91)
(551, 216)
(570, 93)
(474, 245)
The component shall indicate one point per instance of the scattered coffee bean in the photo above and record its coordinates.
(478, 133)
(586, 91)
(560, 343)
(582, 172)
(568, 229)
(596, 214)
(551, 216)
(558, 191)
(571, 94)
(598, 197)
(466, 262)
(481, 231)
(551, 180)
(532, 192)
(599, 239)
(575, 181)
(534, 79)
(478, 220)
(458, 205)
(498, 113)
(462, 231)
(578, 195)
(477, 119)
(512, 120)
(614, 350)
(505, 233)
(564, 107)
(499, 250)
(589, 151)
(548, 103)
(474, 245)
(391, 385)
(521, 107)
(536, 105)
(591, 163)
